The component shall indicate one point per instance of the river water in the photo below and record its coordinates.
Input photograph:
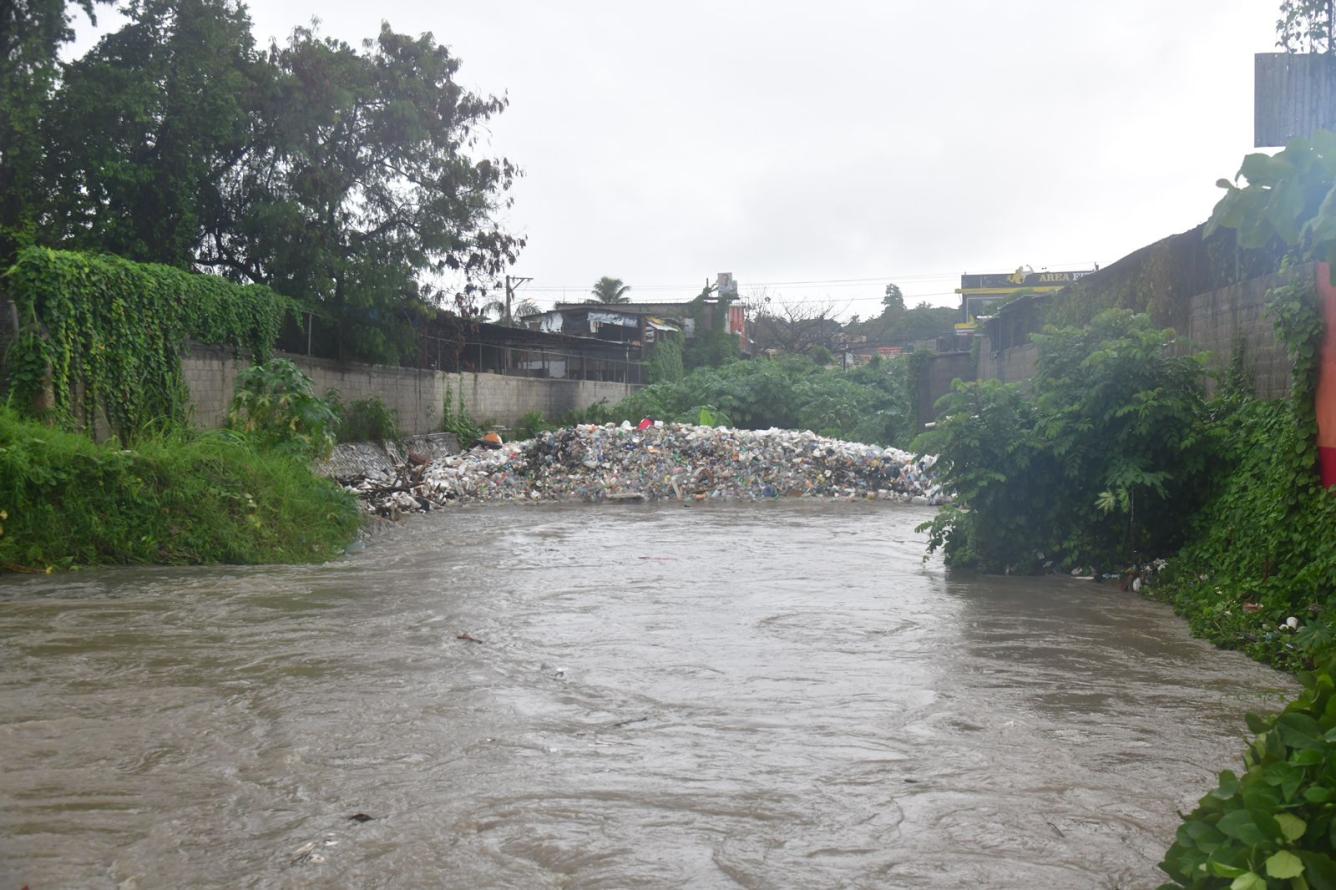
(782, 695)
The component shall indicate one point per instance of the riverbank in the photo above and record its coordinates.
(655, 462)
(179, 499)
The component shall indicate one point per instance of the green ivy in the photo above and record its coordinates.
(916, 370)
(103, 333)
(455, 419)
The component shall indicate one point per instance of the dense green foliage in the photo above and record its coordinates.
(1264, 548)
(1102, 466)
(364, 420)
(275, 406)
(665, 361)
(899, 325)
(711, 346)
(1289, 196)
(31, 35)
(179, 499)
(106, 334)
(346, 176)
(1274, 826)
(143, 127)
(868, 404)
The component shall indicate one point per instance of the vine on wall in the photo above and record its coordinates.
(105, 333)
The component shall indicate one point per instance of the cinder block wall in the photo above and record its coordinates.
(1222, 321)
(1219, 322)
(417, 396)
(942, 372)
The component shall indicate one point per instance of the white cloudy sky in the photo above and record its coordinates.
(851, 139)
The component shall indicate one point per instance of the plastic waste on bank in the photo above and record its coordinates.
(656, 461)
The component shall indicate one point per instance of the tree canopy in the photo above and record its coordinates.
(347, 177)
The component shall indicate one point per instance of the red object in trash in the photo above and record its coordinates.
(646, 424)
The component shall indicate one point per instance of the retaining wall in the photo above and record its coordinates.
(1218, 322)
(417, 396)
(941, 372)
(1233, 318)
(1008, 365)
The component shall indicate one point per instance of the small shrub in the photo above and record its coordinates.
(456, 419)
(365, 420)
(531, 425)
(275, 406)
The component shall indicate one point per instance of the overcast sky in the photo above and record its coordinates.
(821, 142)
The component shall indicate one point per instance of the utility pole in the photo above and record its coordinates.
(512, 283)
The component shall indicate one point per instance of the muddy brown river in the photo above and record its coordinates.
(783, 695)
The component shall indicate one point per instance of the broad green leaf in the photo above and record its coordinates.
(1319, 870)
(1229, 786)
(1284, 864)
(1292, 826)
(1248, 881)
(1239, 824)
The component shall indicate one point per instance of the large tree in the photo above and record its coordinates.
(147, 124)
(362, 193)
(31, 34)
(893, 301)
(347, 177)
(610, 290)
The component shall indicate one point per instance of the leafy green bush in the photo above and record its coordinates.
(1274, 826)
(1104, 466)
(364, 420)
(869, 404)
(275, 405)
(530, 425)
(180, 499)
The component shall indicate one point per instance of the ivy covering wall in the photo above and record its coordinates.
(99, 333)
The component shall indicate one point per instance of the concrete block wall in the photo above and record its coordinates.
(1218, 323)
(1013, 365)
(1224, 320)
(417, 396)
(938, 378)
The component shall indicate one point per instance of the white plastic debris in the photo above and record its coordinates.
(661, 462)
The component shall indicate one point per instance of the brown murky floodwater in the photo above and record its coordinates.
(781, 695)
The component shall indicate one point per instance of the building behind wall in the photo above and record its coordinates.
(981, 295)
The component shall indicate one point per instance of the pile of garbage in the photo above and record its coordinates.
(656, 461)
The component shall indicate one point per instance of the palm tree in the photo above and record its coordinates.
(610, 290)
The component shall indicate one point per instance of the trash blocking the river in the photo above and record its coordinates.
(656, 462)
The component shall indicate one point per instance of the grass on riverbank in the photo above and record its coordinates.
(180, 499)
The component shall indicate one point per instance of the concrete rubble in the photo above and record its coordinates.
(677, 462)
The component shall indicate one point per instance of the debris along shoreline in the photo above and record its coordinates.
(655, 462)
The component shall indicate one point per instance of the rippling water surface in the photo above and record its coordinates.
(782, 695)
